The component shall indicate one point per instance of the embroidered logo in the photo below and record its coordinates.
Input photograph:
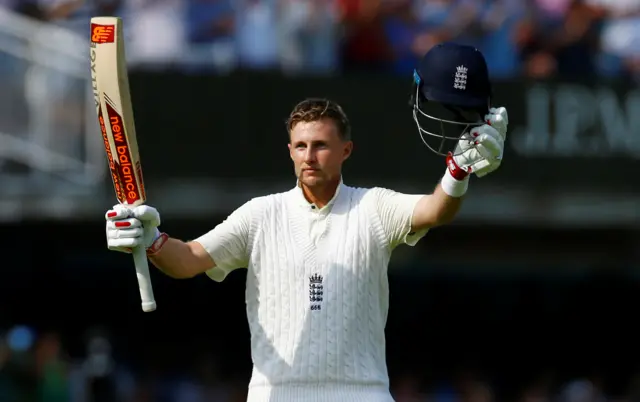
(316, 291)
(460, 81)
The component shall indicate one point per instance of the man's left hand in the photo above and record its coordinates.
(481, 151)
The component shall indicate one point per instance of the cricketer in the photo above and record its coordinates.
(317, 255)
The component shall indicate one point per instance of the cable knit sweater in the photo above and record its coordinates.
(317, 290)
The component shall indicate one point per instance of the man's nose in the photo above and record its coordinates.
(310, 155)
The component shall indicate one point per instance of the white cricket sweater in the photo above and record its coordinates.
(317, 290)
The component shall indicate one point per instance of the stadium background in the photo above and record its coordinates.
(530, 296)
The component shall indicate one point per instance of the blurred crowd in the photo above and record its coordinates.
(535, 38)
(39, 368)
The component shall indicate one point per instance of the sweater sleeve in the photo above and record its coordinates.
(227, 243)
(396, 212)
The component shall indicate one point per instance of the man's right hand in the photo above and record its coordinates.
(131, 227)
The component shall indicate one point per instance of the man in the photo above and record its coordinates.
(317, 255)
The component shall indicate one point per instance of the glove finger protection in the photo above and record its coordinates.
(131, 227)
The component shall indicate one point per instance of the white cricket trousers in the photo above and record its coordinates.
(318, 393)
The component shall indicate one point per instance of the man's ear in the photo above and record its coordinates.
(348, 149)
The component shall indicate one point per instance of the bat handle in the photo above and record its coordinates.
(144, 279)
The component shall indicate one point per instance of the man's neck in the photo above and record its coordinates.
(320, 196)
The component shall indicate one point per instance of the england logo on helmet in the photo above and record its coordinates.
(451, 94)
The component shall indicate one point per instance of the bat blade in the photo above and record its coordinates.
(114, 110)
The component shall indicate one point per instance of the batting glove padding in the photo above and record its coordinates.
(131, 227)
(482, 149)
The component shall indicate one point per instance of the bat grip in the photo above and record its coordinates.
(144, 279)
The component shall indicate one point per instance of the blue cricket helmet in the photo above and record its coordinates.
(451, 92)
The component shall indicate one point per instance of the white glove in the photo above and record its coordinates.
(486, 155)
(131, 227)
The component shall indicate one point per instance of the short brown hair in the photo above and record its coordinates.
(314, 109)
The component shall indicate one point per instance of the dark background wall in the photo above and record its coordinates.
(531, 294)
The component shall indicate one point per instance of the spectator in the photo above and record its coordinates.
(51, 369)
(365, 47)
(557, 37)
(496, 21)
(257, 34)
(417, 25)
(211, 27)
(309, 36)
(620, 37)
(156, 32)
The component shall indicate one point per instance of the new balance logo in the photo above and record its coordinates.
(460, 80)
(316, 292)
(102, 33)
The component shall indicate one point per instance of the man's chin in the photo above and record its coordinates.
(311, 181)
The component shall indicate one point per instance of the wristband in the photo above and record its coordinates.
(455, 180)
(157, 244)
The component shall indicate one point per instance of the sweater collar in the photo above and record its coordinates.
(302, 201)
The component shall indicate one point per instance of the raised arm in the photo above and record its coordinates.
(181, 260)
(216, 253)
(435, 209)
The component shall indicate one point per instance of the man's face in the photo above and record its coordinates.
(318, 152)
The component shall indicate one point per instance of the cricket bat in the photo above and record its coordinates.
(115, 115)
